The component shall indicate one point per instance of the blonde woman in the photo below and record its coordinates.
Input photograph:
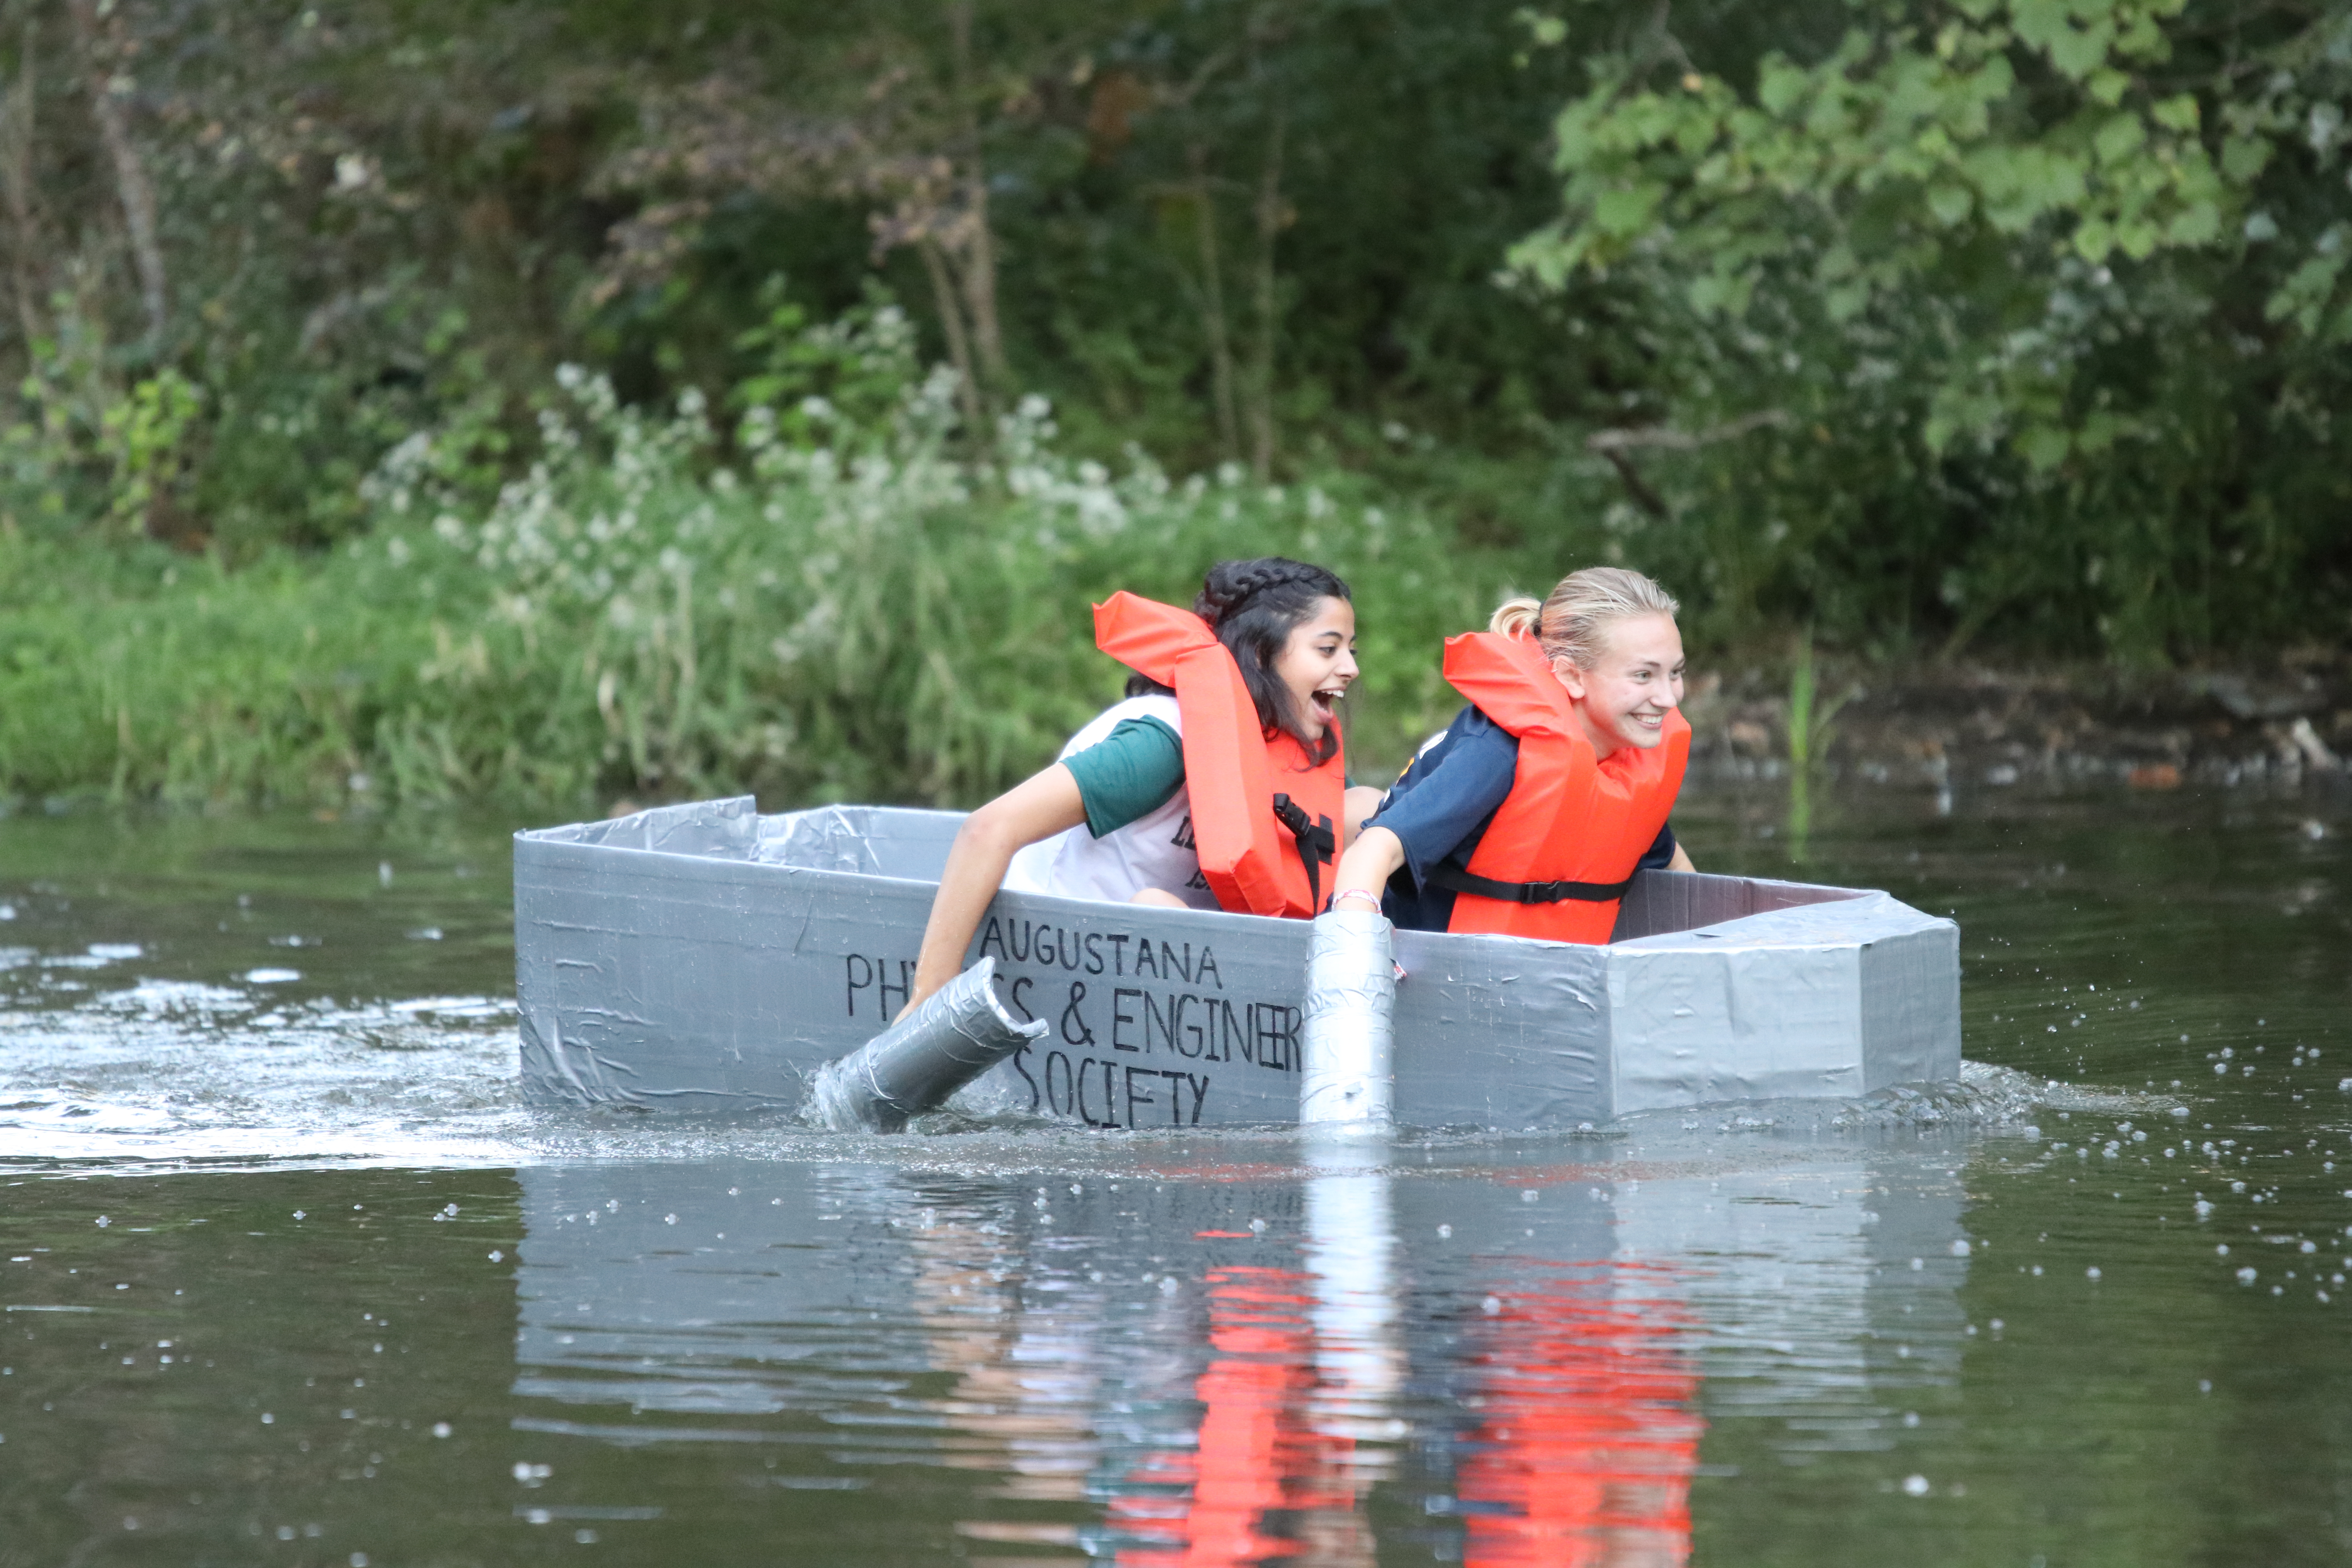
(1533, 810)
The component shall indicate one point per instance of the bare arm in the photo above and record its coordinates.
(1368, 865)
(1362, 802)
(1682, 860)
(1036, 808)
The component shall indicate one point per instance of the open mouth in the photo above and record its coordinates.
(1325, 704)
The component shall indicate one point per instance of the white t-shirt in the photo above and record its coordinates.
(1155, 850)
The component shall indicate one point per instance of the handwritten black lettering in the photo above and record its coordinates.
(1016, 948)
(1118, 940)
(1144, 964)
(1170, 962)
(905, 988)
(1192, 1038)
(1197, 1027)
(1270, 1036)
(1094, 953)
(1013, 994)
(1199, 1083)
(1074, 1023)
(1069, 1090)
(1229, 1029)
(993, 934)
(860, 975)
(1121, 1016)
(1136, 1097)
(1184, 1038)
(1208, 967)
(1273, 1038)
(1086, 1076)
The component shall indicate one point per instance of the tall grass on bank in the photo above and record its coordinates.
(831, 600)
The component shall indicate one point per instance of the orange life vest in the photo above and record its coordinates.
(1568, 839)
(1266, 815)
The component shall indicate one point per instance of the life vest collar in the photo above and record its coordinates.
(1150, 637)
(1263, 847)
(1511, 681)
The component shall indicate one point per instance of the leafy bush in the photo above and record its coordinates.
(2009, 318)
(820, 604)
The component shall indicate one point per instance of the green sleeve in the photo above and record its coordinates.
(1128, 774)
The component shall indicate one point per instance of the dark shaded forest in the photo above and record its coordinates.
(1922, 330)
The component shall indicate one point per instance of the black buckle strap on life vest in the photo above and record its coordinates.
(1528, 893)
(1316, 843)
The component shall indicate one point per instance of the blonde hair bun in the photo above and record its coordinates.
(1574, 621)
(1515, 618)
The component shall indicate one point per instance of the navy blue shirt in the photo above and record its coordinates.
(1442, 808)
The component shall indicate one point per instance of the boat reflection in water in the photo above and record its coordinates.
(1195, 1362)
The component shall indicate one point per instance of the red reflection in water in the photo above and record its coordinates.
(1588, 1439)
(1582, 1458)
(1256, 1457)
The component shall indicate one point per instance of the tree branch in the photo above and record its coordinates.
(17, 173)
(1615, 446)
(979, 270)
(138, 194)
(943, 294)
(1271, 215)
(1213, 312)
(1645, 498)
(1605, 442)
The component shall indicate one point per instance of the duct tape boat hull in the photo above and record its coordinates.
(704, 957)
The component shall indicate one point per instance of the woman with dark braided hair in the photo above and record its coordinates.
(1216, 784)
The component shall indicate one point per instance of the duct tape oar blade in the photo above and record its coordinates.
(960, 1031)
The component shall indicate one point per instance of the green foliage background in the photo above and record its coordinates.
(2010, 325)
(821, 602)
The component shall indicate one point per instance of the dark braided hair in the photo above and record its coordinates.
(1254, 606)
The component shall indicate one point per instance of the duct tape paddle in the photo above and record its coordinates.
(1346, 1069)
(960, 1031)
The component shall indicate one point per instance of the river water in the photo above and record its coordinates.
(291, 1277)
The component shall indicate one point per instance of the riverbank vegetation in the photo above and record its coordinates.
(440, 399)
(832, 594)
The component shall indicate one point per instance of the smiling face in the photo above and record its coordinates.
(1318, 663)
(1624, 698)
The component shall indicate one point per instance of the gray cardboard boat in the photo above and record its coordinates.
(705, 957)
